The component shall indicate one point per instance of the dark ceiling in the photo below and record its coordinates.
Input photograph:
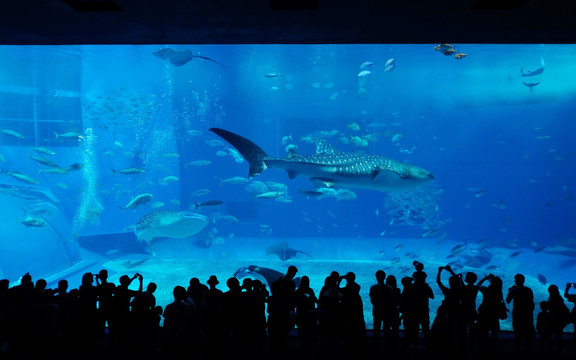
(286, 21)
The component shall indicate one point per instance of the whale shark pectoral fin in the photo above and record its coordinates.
(375, 172)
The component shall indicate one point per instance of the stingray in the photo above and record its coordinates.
(284, 252)
(168, 224)
(180, 57)
(266, 275)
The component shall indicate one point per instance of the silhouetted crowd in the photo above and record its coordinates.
(102, 320)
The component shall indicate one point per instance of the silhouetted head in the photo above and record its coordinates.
(406, 282)
(519, 279)
(247, 284)
(496, 283)
(292, 270)
(87, 279)
(124, 280)
(335, 275)
(194, 282)
(418, 265)
(391, 281)
(41, 284)
(350, 277)
(304, 282)
(553, 290)
(380, 276)
(213, 280)
(179, 293)
(62, 285)
(151, 288)
(103, 275)
(471, 277)
(74, 293)
(26, 279)
(257, 285)
(233, 283)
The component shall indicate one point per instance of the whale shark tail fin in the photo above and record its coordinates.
(250, 151)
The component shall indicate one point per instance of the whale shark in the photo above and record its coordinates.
(330, 167)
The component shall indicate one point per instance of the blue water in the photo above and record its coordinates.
(502, 155)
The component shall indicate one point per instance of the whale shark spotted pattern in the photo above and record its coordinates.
(331, 167)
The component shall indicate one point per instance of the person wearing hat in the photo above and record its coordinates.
(214, 326)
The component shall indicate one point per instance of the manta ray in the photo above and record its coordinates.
(181, 57)
(266, 275)
(538, 71)
(530, 85)
(329, 167)
(284, 252)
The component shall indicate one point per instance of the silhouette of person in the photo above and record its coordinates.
(522, 313)
(196, 292)
(178, 318)
(232, 313)
(448, 326)
(306, 318)
(353, 313)
(490, 312)
(144, 318)
(329, 306)
(559, 315)
(87, 312)
(392, 346)
(406, 305)
(213, 307)
(64, 302)
(382, 300)
(281, 305)
(422, 293)
(469, 295)
(544, 325)
(105, 299)
(121, 325)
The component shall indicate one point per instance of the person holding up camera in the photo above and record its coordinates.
(121, 324)
(491, 310)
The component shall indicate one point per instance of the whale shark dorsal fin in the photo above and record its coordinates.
(292, 153)
(323, 147)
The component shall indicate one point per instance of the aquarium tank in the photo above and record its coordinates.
(182, 161)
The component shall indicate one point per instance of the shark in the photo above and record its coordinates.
(168, 224)
(329, 167)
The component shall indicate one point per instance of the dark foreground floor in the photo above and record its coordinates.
(323, 348)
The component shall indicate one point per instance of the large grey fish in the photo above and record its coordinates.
(168, 224)
(138, 201)
(331, 167)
